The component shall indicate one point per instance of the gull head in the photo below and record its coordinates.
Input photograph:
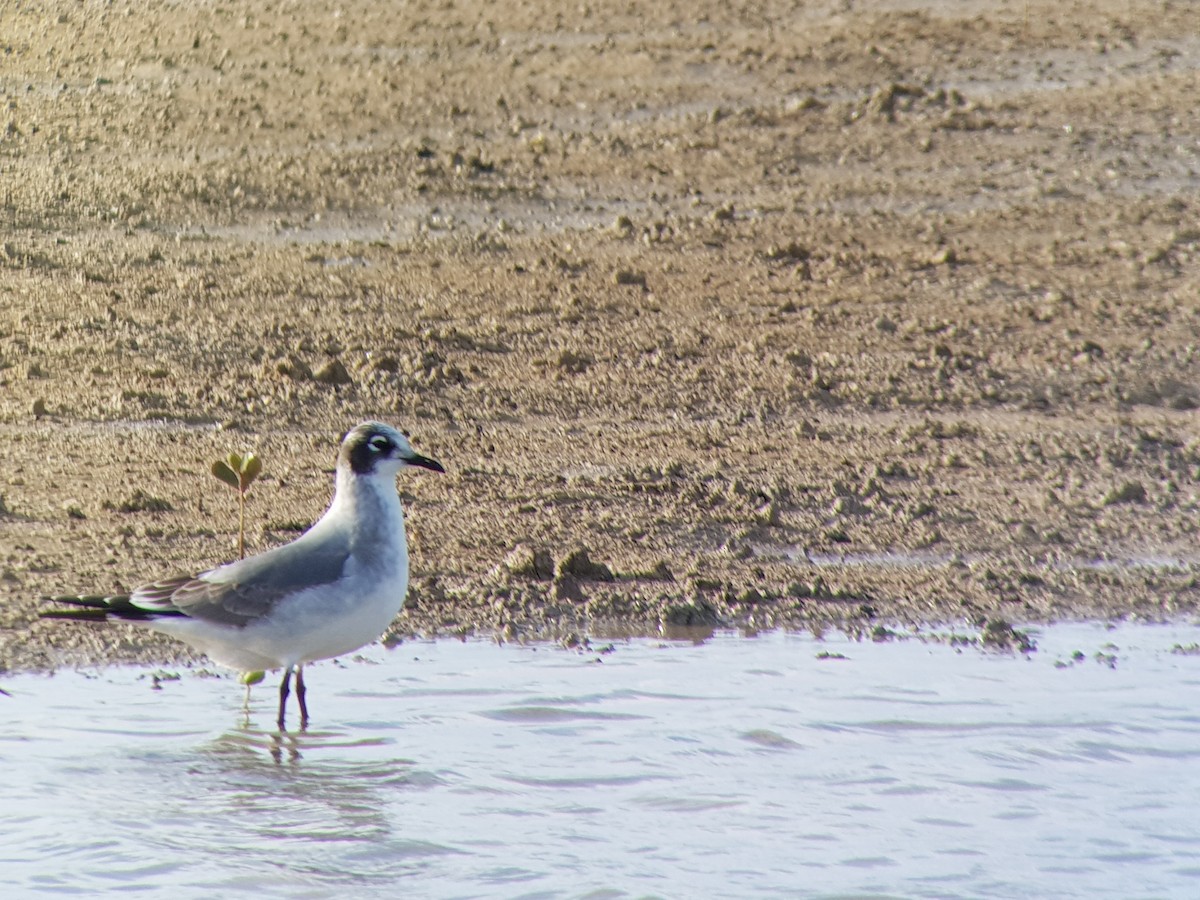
(372, 448)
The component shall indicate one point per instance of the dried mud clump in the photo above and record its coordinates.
(529, 562)
(1000, 635)
(139, 501)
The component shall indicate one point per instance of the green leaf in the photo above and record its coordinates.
(248, 678)
(222, 471)
(251, 467)
(234, 461)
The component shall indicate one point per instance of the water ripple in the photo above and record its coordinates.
(771, 740)
(543, 714)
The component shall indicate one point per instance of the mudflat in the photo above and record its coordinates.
(760, 315)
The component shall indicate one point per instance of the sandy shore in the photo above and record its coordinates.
(841, 315)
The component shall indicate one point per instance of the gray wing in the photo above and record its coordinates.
(247, 590)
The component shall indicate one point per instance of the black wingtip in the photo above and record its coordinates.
(94, 608)
(78, 615)
(92, 601)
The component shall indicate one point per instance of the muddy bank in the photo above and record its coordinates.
(786, 317)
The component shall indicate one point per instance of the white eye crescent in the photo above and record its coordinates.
(379, 443)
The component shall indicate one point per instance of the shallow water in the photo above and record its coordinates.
(738, 767)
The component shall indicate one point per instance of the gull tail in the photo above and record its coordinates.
(96, 608)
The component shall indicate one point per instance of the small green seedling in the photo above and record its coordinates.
(249, 678)
(239, 473)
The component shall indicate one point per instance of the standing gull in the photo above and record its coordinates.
(333, 589)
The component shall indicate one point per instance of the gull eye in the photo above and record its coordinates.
(379, 444)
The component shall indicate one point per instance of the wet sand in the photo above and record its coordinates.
(840, 315)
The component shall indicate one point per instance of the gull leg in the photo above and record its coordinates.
(284, 690)
(300, 692)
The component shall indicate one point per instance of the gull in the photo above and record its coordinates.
(332, 590)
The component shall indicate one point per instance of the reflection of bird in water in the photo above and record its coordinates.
(332, 590)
